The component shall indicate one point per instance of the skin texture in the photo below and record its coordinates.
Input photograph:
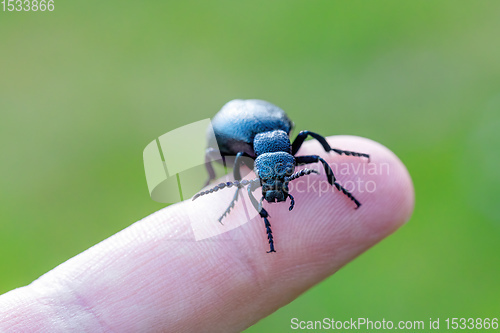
(154, 277)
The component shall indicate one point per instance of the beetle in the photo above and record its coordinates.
(260, 131)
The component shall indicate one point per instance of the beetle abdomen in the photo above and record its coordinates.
(237, 123)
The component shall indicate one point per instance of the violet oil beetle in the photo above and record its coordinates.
(260, 131)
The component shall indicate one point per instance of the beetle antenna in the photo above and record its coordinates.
(237, 183)
(301, 173)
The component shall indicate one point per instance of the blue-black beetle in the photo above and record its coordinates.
(260, 131)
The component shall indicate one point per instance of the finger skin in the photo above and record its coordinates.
(154, 277)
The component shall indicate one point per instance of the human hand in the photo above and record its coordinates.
(149, 278)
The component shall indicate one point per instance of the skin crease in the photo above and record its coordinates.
(154, 277)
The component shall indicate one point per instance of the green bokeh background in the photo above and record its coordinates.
(85, 88)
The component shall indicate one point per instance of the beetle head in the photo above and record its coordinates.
(273, 170)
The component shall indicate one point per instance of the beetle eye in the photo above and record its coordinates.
(268, 182)
(268, 187)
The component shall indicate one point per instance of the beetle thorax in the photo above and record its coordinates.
(271, 142)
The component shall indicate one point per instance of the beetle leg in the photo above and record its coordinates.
(262, 212)
(299, 140)
(231, 205)
(238, 161)
(294, 176)
(210, 154)
(329, 174)
(292, 201)
(259, 208)
(269, 232)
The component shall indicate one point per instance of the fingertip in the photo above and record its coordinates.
(156, 271)
(383, 185)
(324, 220)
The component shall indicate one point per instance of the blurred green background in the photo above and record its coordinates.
(85, 88)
